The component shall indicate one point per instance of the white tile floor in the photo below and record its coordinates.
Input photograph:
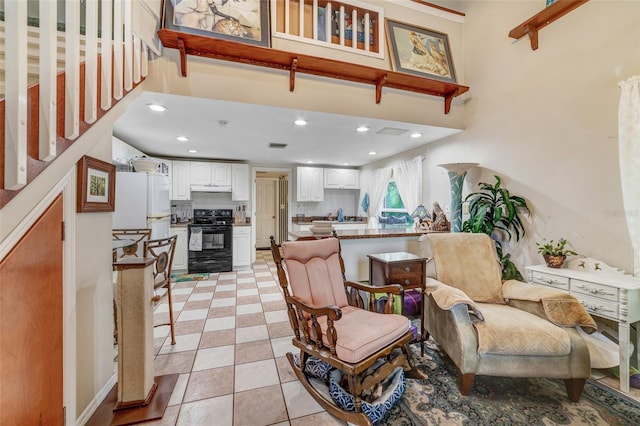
(232, 336)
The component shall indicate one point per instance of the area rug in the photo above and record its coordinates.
(503, 401)
(177, 278)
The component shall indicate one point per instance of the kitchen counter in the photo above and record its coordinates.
(308, 220)
(357, 234)
(180, 225)
(357, 244)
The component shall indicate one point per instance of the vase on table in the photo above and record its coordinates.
(457, 172)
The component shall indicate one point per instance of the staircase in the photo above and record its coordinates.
(59, 75)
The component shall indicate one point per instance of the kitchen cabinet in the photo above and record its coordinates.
(341, 179)
(309, 184)
(240, 182)
(181, 255)
(122, 152)
(208, 173)
(241, 247)
(180, 180)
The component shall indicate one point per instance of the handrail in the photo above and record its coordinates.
(39, 121)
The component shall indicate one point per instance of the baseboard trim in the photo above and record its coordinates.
(96, 401)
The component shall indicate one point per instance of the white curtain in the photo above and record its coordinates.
(629, 150)
(377, 190)
(408, 178)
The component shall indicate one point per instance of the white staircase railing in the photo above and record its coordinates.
(99, 66)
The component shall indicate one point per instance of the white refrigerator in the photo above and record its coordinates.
(142, 201)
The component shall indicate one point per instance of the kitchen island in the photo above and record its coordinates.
(356, 244)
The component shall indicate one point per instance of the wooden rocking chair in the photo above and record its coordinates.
(331, 323)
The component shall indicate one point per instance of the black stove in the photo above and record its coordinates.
(210, 241)
(213, 216)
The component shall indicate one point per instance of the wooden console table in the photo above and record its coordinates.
(406, 269)
(608, 295)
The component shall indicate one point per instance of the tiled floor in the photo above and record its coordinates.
(232, 336)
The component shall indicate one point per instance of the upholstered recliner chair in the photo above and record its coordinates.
(492, 328)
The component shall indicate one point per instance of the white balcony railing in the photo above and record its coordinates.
(348, 25)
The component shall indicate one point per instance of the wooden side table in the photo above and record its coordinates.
(406, 269)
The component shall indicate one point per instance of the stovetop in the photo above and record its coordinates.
(213, 216)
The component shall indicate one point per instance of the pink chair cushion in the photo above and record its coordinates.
(362, 333)
(314, 271)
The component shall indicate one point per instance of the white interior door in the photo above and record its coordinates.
(265, 211)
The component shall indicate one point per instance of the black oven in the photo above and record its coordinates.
(210, 241)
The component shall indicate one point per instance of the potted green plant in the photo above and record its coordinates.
(554, 253)
(496, 212)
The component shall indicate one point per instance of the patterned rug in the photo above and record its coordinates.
(503, 401)
(189, 277)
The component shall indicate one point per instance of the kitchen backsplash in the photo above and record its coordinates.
(334, 199)
(208, 200)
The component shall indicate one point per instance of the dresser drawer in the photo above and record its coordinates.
(600, 291)
(408, 274)
(597, 306)
(550, 280)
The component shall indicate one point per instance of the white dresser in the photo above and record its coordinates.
(605, 294)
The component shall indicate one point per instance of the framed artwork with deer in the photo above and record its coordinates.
(245, 21)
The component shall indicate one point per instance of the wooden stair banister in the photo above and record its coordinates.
(191, 44)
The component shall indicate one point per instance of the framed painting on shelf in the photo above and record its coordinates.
(245, 21)
(420, 51)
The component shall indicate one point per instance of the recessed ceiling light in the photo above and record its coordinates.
(309, 161)
(345, 164)
(300, 122)
(157, 107)
(416, 135)
(193, 151)
(372, 153)
(183, 138)
(362, 129)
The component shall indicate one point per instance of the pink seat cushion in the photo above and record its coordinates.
(362, 333)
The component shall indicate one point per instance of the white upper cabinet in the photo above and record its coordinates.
(309, 184)
(206, 173)
(240, 182)
(341, 179)
(180, 180)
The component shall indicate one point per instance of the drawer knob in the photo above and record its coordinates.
(407, 269)
(406, 282)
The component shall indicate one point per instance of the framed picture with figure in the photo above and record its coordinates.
(420, 51)
(245, 21)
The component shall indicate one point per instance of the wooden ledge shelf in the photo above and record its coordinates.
(191, 44)
(542, 19)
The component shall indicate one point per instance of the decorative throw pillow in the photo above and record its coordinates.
(315, 367)
(377, 409)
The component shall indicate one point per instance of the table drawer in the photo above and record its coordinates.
(550, 280)
(597, 306)
(600, 291)
(407, 274)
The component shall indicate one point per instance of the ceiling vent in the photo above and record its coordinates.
(274, 145)
(391, 131)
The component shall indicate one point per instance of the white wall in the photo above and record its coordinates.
(208, 78)
(546, 122)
